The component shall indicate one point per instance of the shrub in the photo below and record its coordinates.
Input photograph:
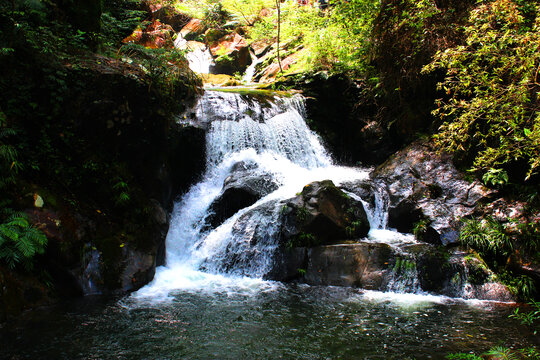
(20, 241)
(492, 113)
(487, 236)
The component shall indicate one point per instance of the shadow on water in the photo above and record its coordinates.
(288, 322)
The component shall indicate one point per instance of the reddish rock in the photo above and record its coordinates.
(156, 35)
(231, 55)
(261, 47)
(271, 72)
(227, 44)
(192, 29)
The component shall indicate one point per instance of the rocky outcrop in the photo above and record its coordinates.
(322, 214)
(242, 188)
(169, 15)
(220, 80)
(378, 266)
(124, 162)
(155, 35)
(425, 188)
(192, 29)
(231, 54)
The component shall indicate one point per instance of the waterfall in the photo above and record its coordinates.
(270, 135)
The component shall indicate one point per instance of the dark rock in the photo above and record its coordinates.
(139, 269)
(323, 214)
(403, 215)
(159, 214)
(363, 265)
(377, 266)
(425, 186)
(242, 188)
(289, 265)
(170, 16)
(365, 189)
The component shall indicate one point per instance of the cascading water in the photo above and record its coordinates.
(270, 135)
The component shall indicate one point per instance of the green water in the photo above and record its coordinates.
(290, 322)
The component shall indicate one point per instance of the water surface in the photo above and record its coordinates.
(275, 322)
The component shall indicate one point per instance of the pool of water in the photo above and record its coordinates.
(276, 322)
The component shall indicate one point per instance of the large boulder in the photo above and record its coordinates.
(246, 184)
(364, 265)
(426, 189)
(231, 54)
(193, 29)
(323, 214)
(170, 16)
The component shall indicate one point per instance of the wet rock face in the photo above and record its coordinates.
(363, 265)
(242, 188)
(378, 266)
(322, 214)
(424, 186)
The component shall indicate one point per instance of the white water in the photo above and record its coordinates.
(199, 58)
(250, 71)
(276, 139)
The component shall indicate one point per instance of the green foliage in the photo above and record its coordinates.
(420, 228)
(303, 240)
(529, 235)
(492, 113)
(463, 356)
(20, 241)
(9, 159)
(302, 214)
(499, 352)
(119, 19)
(502, 353)
(487, 236)
(529, 318)
(246, 11)
(166, 69)
(121, 189)
(495, 177)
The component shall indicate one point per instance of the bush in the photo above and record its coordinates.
(20, 241)
(492, 112)
(487, 236)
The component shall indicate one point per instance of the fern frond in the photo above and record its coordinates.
(8, 153)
